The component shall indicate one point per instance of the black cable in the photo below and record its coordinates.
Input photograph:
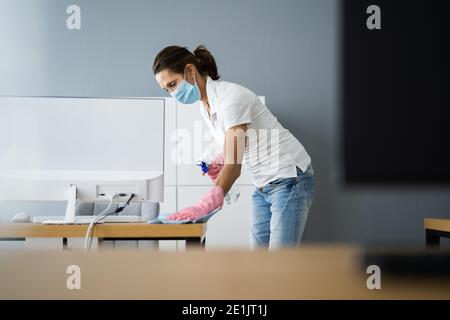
(119, 209)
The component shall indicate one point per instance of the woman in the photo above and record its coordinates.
(276, 161)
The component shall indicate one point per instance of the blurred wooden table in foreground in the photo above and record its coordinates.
(312, 272)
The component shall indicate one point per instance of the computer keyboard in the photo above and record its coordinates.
(88, 219)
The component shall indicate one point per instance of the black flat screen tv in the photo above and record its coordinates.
(395, 106)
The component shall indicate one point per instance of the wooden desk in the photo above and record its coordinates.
(194, 234)
(435, 229)
(311, 272)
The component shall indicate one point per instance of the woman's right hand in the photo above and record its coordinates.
(215, 166)
(210, 201)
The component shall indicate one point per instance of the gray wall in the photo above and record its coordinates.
(285, 50)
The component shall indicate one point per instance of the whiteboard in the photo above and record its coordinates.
(55, 133)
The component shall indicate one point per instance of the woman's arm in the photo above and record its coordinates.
(233, 154)
(234, 148)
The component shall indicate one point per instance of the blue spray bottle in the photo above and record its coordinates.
(232, 195)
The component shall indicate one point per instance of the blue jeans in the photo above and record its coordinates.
(280, 210)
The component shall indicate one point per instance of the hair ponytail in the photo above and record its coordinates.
(175, 58)
(206, 61)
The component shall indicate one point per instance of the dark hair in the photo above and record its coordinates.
(175, 58)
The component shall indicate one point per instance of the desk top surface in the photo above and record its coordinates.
(104, 230)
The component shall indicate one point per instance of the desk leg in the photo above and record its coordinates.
(195, 243)
(432, 238)
(203, 242)
(100, 244)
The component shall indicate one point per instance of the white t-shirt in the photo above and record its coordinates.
(272, 152)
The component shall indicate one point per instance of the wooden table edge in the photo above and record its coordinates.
(106, 230)
(437, 224)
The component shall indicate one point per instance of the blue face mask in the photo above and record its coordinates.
(186, 93)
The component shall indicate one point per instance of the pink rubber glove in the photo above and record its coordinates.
(215, 166)
(208, 202)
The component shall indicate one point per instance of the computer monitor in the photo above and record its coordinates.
(81, 149)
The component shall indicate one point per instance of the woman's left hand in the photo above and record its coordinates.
(215, 166)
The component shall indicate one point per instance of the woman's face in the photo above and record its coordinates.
(168, 80)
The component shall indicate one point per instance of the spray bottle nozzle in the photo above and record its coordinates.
(203, 165)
